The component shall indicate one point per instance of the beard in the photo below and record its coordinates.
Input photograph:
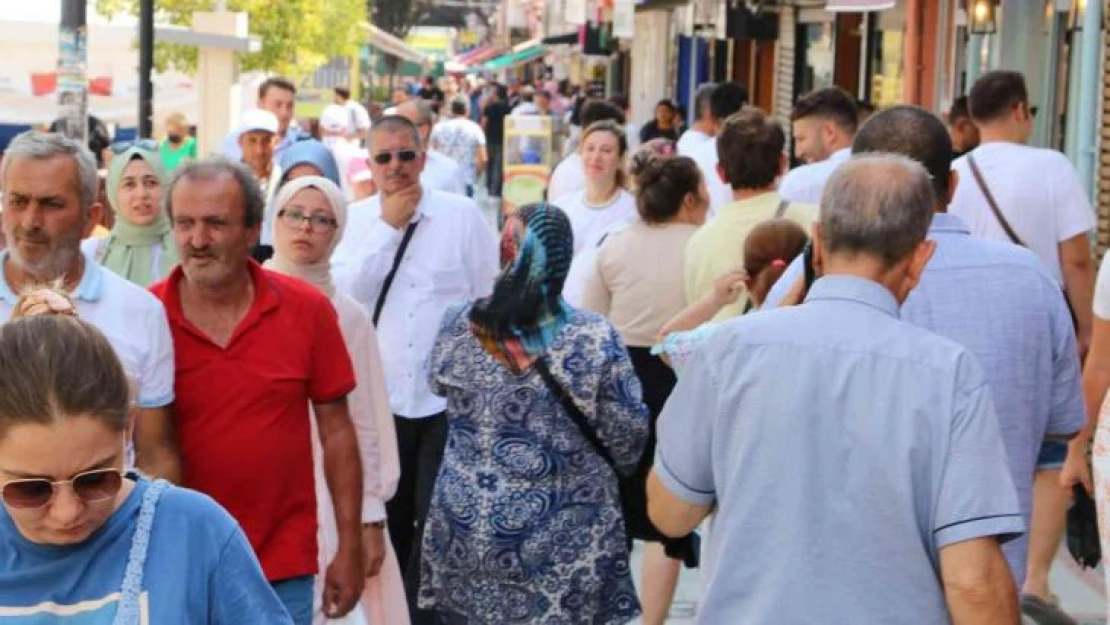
(63, 252)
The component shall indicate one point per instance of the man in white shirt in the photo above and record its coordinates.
(410, 252)
(50, 187)
(725, 101)
(358, 118)
(1046, 209)
(702, 129)
(823, 124)
(462, 140)
(440, 172)
(278, 96)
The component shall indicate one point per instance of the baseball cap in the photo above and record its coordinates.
(258, 120)
(335, 118)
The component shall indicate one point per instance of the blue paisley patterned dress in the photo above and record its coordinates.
(525, 520)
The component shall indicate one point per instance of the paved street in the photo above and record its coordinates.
(1081, 593)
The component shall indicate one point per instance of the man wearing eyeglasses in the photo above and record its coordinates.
(50, 204)
(440, 172)
(408, 253)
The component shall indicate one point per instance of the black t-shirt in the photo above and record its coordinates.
(431, 93)
(495, 125)
(651, 130)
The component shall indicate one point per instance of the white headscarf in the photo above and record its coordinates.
(317, 274)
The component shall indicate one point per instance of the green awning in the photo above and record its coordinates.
(511, 60)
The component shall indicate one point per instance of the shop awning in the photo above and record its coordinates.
(513, 59)
(858, 6)
(391, 45)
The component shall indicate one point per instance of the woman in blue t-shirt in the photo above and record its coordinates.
(81, 541)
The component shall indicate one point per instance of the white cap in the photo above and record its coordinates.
(335, 118)
(258, 120)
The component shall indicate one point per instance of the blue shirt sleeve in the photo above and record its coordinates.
(977, 497)
(1067, 412)
(785, 281)
(239, 592)
(683, 458)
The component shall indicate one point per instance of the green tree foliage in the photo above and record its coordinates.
(297, 35)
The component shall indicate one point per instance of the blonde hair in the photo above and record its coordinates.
(41, 300)
(615, 129)
(176, 119)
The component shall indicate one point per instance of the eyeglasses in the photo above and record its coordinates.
(320, 224)
(405, 156)
(90, 486)
(119, 147)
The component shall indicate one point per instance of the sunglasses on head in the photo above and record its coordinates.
(119, 147)
(405, 156)
(90, 486)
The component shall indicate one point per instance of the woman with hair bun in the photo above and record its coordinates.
(637, 282)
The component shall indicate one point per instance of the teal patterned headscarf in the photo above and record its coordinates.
(129, 248)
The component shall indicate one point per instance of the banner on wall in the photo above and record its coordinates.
(576, 12)
(624, 19)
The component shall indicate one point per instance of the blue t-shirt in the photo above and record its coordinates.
(199, 569)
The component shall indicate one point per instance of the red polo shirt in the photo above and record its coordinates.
(243, 421)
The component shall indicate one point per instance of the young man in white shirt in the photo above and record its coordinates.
(823, 124)
(410, 252)
(50, 186)
(462, 140)
(725, 100)
(702, 129)
(358, 118)
(1046, 209)
(440, 172)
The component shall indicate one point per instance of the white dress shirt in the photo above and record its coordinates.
(705, 155)
(805, 184)
(569, 176)
(690, 140)
(452, 257)
(442, 174)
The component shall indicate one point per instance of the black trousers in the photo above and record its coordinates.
(420, 445)
(494, 170)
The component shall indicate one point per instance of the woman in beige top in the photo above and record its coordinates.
(637, 282)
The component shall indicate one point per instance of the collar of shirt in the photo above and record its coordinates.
(89, 289)
(840, 155)
(854, 289)
(947, 223)
(265, 301)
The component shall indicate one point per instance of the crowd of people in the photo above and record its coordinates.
(307, 381)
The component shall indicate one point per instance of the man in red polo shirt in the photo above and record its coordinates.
(253, 350)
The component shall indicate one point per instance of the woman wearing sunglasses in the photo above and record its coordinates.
(310, 215)
(81, 541)
(140, 246)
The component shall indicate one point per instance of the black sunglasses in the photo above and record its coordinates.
(119, 147)
(90, 487)
(405, 156)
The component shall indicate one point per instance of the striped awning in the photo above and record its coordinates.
(858, 6)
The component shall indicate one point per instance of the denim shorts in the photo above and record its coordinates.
(1052, 455)
(296, 595)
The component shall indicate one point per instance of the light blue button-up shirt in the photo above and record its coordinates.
(843, 449)
(998, 300)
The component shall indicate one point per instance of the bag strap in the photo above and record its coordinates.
(978, 175)
(781, 210)
(393, 271)
(132, 588)
(573, 411)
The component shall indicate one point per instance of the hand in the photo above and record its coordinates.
(1076, 470)
(373, 547)
(398, 208)
(728, 286)
(343, 582)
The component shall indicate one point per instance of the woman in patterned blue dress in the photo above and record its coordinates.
(525, 521)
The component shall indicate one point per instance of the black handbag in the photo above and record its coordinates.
(1083, 543)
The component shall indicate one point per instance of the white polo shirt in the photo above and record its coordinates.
(132, 320)
(705, 155)
(805, 184)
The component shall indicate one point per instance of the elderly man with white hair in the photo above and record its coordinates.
(842, 449)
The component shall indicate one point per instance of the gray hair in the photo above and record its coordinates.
(424, 112)
(879, 205)
(394, 123)
(41, 146)
(254, 204)
(701, 99)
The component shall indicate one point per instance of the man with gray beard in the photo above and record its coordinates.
(50, 188)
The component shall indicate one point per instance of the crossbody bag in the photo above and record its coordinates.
(1006, 227)
(574, 412)
(393, 271)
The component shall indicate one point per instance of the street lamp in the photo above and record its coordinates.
(1076, 15)
(984, 17)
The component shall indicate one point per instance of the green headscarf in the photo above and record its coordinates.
(129, 249)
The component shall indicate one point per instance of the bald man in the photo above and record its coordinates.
(440, 172)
